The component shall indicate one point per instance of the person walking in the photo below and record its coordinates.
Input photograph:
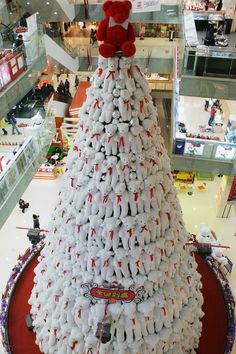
(76, 81)
(23, 205)
(67, 86)
(36, 221)
(13, 122)
(91, 36)
(212, 115)
(3, 126)
(19, 41)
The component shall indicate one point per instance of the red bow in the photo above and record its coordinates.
(153, 162)
(109, 138)
(57, 297)
(63, 213)
(144, 228)
(149, 134)
(69, 249)
(126, 166)
(168, 216)
(138, 70)
(111, 73)
(119, 199)
(100, 71)
(68, 220)
(162, 251)
(105, 198)
(164, 310)
(90, 198)
(137, 263)
(122, 141)
(152, 192)
(119, 264)
(96, 104)
(135, 196)
(151, 257)
(96, 135)
(96, 167)
(78, 228)
(86, 160)
(141, 106)
(130, 232)
(126, 103)
(111, 234)
(141, 164)
(110, 170)
(129, 73)
(93, 263)
(93, 232)
(75, 148)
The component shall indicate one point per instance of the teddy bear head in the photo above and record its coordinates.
(99, 157)
(111, 161)
(120, 188)
(111, 129)
(141, 219)
(128, 222)
(148, 124)
(92, 186)
(125, 63)
(102, 62)
(82, 179)
(125, 158)
(140, 157)
(119, 11)
(104, 188)
(134, 186)
(112, 63)
(150, 181)
(97, 127)
(120, 253)
(138, 93)
(111, 222)
(123, 128)
(108, 97)
(125, 94)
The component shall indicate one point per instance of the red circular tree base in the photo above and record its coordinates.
(213, 339)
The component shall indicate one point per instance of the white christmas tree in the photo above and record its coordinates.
(117, 232)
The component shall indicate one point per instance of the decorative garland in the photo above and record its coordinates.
(14, 276)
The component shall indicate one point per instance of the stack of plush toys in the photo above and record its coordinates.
(117, 223)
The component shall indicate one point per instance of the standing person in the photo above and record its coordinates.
(13, 122)
(91, 36)
(36, 221)
(3, 125)
(219, 5)
(94, 36)
(23, 205)
(76, 81)
(212, 115)
(67, 85)
(19, 41)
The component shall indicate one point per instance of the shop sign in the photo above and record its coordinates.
(112, 294)
(232, 193)
(146, 5)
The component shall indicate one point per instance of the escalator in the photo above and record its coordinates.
(163, 106)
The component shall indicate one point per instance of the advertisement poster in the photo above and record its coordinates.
(232, 193)
(5, 76)
(146, 5)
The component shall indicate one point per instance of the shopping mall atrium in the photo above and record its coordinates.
(98, 155)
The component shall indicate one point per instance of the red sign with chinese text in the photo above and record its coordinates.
(112, 294)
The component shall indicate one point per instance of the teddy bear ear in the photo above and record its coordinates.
(107, 4)
(128, 3)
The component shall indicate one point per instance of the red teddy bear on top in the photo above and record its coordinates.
(115, 30)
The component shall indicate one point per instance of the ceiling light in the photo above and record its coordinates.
(28, 3)
(47, 3)
(55, 13)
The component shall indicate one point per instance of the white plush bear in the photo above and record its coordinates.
(107, 268)
(110, 233)
(136, 142)
(111, 75)
(150, 185)
(99, 75)
(124, 137)
(96, 106)
(135, 201)
(126, 232)
(141, 166)
(110, 139)
(155, 225)
(138, 76)
(125, 105)
(125, 74)
(150, 257)
(139, 104)
(124, 167)
(88, 159)
(107, 109)
(106, 200)
(148, 133)
(95, 136)
(90, 203)
(98, 167)
(121, 200)
(93, 260)
(111, 171)
(95, 233)
(136, 261)
(142, 232)
(152, 160)
(121, 264)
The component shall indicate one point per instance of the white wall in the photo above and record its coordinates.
(69, 9)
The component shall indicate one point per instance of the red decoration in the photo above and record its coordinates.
(112, 294)
(115, 31)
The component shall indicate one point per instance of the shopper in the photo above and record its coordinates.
(219, 5)
(94, 39)
(19, 41)
(212, 115)
(44, 91)
(67, 85)
(13, 122)
(3, 125)
(36, 221)
(91, 36)
(206, 5)
(23, 205)
(76, 81)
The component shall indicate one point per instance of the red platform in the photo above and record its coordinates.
(214, 334)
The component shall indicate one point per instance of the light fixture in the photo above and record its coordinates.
(28, 3)
(55, 13)
(47, 3)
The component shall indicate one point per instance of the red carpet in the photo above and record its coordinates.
(22, 340)
(214, 332)
(213, 340)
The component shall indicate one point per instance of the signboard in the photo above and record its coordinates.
(112, 294)
(232, 193)
(146, 5)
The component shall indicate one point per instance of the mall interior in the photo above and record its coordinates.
(187, 52)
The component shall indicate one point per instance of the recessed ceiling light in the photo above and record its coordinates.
(47, 3)
(28, 3)
(55, 13)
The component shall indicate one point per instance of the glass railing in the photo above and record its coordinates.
(210, 61)
(73, 52)
(15, 178)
